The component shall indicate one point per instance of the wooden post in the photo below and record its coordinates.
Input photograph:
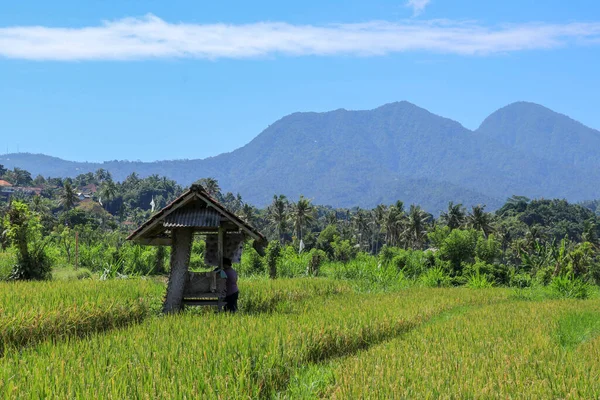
(180, 260)
(220, 246)
(76, 249)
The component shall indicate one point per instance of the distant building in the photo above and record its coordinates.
(29, 190)
(6, 189)
(89, 189)
(84, 196)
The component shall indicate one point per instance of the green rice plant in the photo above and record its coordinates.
(219, 355)
(577, 327)
(31, 312)
(268, 295)
(505, 350)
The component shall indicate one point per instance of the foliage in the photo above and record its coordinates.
(569, 287)
(316, 258)
(24, 231)
(435, 277)
(459, 248)
(272, 258)
(251, 263)
(478, 281)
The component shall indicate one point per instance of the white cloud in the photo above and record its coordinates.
(417, 6)
(152, 38)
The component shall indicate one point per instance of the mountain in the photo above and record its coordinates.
(397, 151)
(537, 130)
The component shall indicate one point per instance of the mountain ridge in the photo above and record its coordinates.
(395, 151)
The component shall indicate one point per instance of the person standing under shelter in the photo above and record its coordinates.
(232, 288)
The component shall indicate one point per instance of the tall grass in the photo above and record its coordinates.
(31, 312)
(500, 351)
(366, 273)
(8, 259)
(220, 356)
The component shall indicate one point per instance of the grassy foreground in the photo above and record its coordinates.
(31, 312)
(221, 356)
(296, 338)
(538, 350)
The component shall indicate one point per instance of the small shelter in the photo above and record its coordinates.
(196, 212)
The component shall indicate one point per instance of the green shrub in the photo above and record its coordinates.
(343, 250)
(488, 250)
(7, 261)
(459, 248)
(521, 280)
(316, 258)
(568, 287)
(388, 253)
(251, 263)
(478, 281)
(435, 277)
(197, 256)
(272, 258)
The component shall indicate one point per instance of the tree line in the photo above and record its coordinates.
(531, 239)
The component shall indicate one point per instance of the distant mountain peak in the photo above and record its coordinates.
(398, 151)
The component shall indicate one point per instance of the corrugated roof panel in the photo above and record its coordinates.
(198, 218)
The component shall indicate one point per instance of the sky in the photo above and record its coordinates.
(154, 79)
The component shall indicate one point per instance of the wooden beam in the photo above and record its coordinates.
(164, 214)
(224, 211)
(220, 241)
(180, 261)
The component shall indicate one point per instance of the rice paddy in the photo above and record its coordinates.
(298, 338)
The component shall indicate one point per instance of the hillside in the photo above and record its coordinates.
(537, 130)
(396, 151)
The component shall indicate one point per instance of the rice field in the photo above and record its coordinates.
(305, 338)
(31, 312)
(542, 350)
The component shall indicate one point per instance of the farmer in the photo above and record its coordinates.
(232, 288)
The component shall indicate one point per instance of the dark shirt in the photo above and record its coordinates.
(232, 278)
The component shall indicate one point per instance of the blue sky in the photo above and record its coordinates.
(148, 80)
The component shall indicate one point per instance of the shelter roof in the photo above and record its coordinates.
(5, 183)
(194, 209)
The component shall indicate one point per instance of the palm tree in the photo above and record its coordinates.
(302, 214)
(211, 185)
(278, 215)
(455, 216)
(393, 221)
(416, 227)
(360, 221)
(108, 190)
(101, 175)
(38, 205)
(377, 215)
(331, 218)
(68, 198)
(248, 212)
(480, 220)
(589, 233)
